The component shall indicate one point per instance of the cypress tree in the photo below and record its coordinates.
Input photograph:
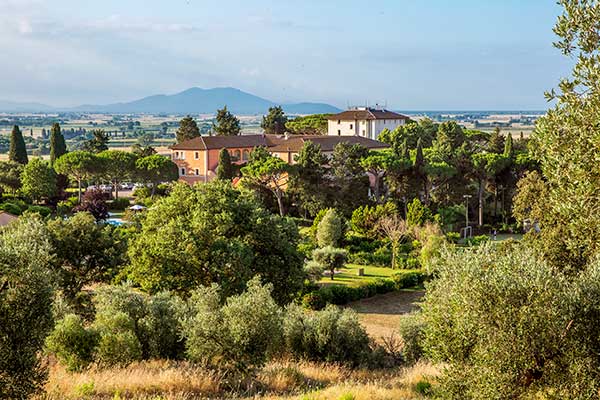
(18, 151)
(419, 159)
(58, 146)
(225, 168)
(404, 150)
(496, 143)
(508, 146)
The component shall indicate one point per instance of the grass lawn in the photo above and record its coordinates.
(349, 275)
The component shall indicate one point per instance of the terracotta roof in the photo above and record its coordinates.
(220, 142)
(366, 114)
(294, 143)
(6, 218)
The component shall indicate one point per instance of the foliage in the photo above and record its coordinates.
(412, 332)
(329, 229)
(239, 335)
(274, 122)
(226, 124)
(41, 210)
(365, 218)
(78, 165)
(510, 326)
(156, 169)
(17, 152)
(313, 271)
(225, 170)
(214, 233)
(10, 175)
(72, 343)
(25, 306)
(94, 203)
(120, 204)
(188, 129)
(315, 124)
(417, 213)
(330, 258)
(395, 229)
(331, 335)
(58, 147)
(98, 143)
(117, 166)
(38, 180)
(350, 185)
(309, 184)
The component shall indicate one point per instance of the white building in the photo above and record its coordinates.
(364, 121)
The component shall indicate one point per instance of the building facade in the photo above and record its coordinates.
(364, 122)
(197, 159)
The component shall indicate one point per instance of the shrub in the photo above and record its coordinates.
(11, 208)
(453, 237)
(412, 329)
(313, 271)
(408, 279)
(142, 192)
(315, 225)
(239, 335)
(118, 344)
(365, 218)
(331, 335)
(161, 328)
(314, 300)
(25, 306)
(477, 240)
(94, 202)
(119, 204)
(72, 343)
(329, 230)
(417, 213)
(330, 258)
(43, 211)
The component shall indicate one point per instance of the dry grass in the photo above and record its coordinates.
(278, 380)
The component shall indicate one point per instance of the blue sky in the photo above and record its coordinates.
(414, 55)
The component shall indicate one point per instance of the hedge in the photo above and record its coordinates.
(339, 294)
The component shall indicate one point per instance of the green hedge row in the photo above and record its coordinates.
(339, 294)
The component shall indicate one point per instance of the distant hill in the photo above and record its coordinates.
(206, 101)
(191, 101)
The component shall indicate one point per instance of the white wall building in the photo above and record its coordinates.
(364, 121)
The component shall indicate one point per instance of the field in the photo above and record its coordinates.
(284, 379)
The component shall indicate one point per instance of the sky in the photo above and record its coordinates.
(408, 54)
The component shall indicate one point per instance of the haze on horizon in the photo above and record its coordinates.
(466, 54)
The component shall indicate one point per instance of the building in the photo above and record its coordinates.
(197, 159)
(364, 121)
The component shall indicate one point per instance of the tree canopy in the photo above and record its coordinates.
(188, 129)
(226, 124)
(275, 121)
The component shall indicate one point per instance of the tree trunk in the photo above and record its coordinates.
(394, 254)
(153, 190)
(79, 188)
(279, 196)
(495, 203)
(332, 273)
(480, 200)
(116, 189)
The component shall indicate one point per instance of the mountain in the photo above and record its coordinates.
(10, 106)
(206, 101)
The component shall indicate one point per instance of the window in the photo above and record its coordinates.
(196, 155)
(364, 132)
(351, 126)
(339, 121)
(339, 132)
(245, 155)
(237, 155)
(182, 155)
(197, 171)
(182, 171)
(176, 155)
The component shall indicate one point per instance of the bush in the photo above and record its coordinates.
(453, 237)
(94, 202)
(477, 240)
(239, 335)
(72, 343)
(25, 306)
(43, 211)
(329, 230)
(11, 208)
(412, 332)
(118, 345)
(142, 192)
(119, 204)
(408, 279)
(510, 326)
(417, 213)
(331, 335)
(313, 271)
(365, 219)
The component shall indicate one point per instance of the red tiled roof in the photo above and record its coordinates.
(220, 142)
(366, 114)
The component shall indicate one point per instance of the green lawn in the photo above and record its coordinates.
(349, 275)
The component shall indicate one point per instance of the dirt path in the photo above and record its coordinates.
(381, 314)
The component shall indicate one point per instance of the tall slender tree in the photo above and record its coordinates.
(17, 151)
(188, 129)
(225, 168)
(58, 146)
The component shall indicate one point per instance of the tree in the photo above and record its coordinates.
(329, 230)
(309, 185)
(330, 258)
(156, 169)
(38, 180)
(10, 175)
(25, 306)
(395, 229)
(58, 146)
(94, 203)
(17, 151)
(378, 164)
(417, 213)
(79, 165)
(486, 166)
(508, 147)
(350, 184)
(84, 252)
(496, 143)
(225, 170)
(275, 121)
(98, 143)
(214, 233)
(315, 124)
(142, 151)
(271, 173)
(117, 166)
(226, 124)
(188, 129)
